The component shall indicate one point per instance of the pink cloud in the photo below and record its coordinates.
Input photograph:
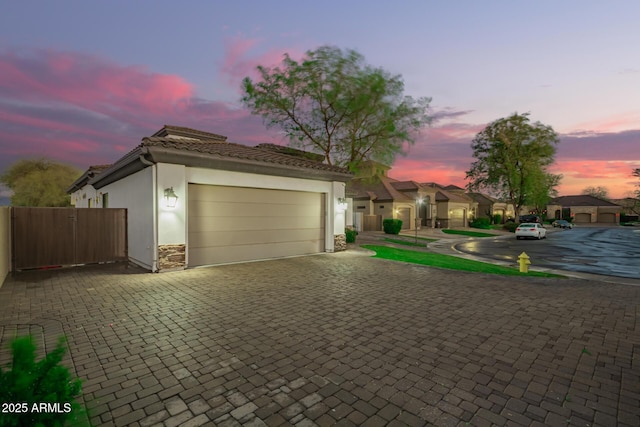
(81, 107)
(613, 175)
(239, 62)
(85, 110)
(617, 123)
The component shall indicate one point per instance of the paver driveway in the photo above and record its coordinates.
(337, 338)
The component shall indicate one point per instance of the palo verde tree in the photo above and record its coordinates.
(334, 104)
(512, 155)
(39, 182)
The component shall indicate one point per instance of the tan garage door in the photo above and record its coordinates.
(582, 217)
(404, 214)
(607, 217)
(233, 224)
(456, 218)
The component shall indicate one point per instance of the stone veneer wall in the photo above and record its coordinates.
(171, 256)
(339, 242)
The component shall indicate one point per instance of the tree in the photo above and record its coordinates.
(599, 192)
(512, 156)
(636, 173)
(39, 182)
(335, 104)
(540, 194)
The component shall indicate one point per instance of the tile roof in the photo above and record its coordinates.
(379, 188)
(405, 185)
(453, 187)
(449, 193)
(483, 198)
(91, 172)
(231, 150)
(580, 200)
(183, 132)
(291, 152)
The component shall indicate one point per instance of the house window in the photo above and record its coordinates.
(105, 200)
(361, 207)
(89, 202)
(381, 207)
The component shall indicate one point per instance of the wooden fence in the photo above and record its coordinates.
(46, 237)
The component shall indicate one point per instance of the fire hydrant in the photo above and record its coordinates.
(524, 262)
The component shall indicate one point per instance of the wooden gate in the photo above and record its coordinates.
(45, 237)
(372, 223)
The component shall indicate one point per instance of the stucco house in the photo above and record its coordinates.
(455, 207)
(630, 207)
(584, 209)
(376, 196)
(489, 206)
(195, 199)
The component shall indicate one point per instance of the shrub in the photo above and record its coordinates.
(510, 226)
(30, 383)
(497, 218)
(482, 222)
(351, 235)
(392, 226)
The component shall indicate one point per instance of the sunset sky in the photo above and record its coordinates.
(83, 81)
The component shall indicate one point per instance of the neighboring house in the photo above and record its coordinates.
(630, 206)
(375, 196)
(454, 207)
(194, 199)
(584, 209)
(489, 206)
(83, 195)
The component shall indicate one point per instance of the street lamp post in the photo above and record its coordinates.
(418, 203)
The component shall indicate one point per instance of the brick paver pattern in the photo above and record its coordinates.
(340, 339)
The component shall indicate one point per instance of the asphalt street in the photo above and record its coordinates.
(612, 251)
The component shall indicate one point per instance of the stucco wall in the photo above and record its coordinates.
(135, 193)
(5, 242)
(81, 198)
(172, 222)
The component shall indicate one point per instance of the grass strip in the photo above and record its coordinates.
(405, 242)
(426, 239)
(469, 233)
(447, 261)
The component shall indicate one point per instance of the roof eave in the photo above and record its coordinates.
(212, 161)
(128, 165)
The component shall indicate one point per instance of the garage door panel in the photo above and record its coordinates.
(230, 224)
(252, 209)
(607, 217)
(582, 217)
(221, 255)
(256, 223)
(255, 237)
(238, 194)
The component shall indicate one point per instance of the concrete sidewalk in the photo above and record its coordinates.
(336, 339)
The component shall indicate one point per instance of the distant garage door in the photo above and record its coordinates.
(404, 214)
(582, 217)
(607, 217)
(234, 224)
(456, 218)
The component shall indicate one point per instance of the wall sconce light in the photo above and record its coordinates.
(170, 197)
(342, 204)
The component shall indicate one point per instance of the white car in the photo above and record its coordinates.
(531, 229)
